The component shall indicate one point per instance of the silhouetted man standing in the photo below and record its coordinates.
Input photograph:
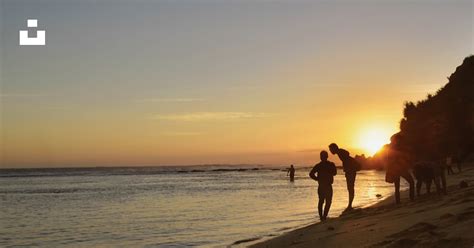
(350, 166)
(326, 171)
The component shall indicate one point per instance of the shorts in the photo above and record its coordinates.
(325, 192)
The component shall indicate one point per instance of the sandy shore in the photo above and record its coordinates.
(429, 221)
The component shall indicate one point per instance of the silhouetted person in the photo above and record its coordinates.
(291, 172)
(326, 171)
(350, 166)
(449, 164)
(398, 165)
(424, 173)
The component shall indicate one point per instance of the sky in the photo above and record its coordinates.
(184, 82)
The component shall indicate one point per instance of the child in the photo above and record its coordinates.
(326, 171)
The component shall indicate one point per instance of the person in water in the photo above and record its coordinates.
(291, 172)
(326, 171)
(350, 167)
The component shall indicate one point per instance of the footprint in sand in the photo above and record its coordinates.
(466, 215)
(414, 230)
(402, 243)
(446, 216)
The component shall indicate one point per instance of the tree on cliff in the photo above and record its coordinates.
(442, 124)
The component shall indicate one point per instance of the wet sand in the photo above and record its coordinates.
(430, 221)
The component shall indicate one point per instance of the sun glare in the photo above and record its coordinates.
(371, 140)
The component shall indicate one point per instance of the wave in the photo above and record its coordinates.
(117, 171)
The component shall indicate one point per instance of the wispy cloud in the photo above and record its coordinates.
(209, 116)
(170, 100)
(181, 134)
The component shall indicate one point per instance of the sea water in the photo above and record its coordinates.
(165, 206)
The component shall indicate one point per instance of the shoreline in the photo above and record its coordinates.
(431, 220)
(250, 242)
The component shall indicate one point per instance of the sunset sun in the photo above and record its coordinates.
(372, 139)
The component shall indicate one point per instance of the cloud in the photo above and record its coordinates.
(181, 134)
(209, 116)
(170, 100)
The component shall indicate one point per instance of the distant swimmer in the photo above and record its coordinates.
(326, 171)
(350, 166)
(291, 172)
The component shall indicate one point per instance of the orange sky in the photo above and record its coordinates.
(236, 83)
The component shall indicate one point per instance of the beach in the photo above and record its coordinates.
(430, 221)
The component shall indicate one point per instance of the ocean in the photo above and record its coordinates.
(210, 206)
